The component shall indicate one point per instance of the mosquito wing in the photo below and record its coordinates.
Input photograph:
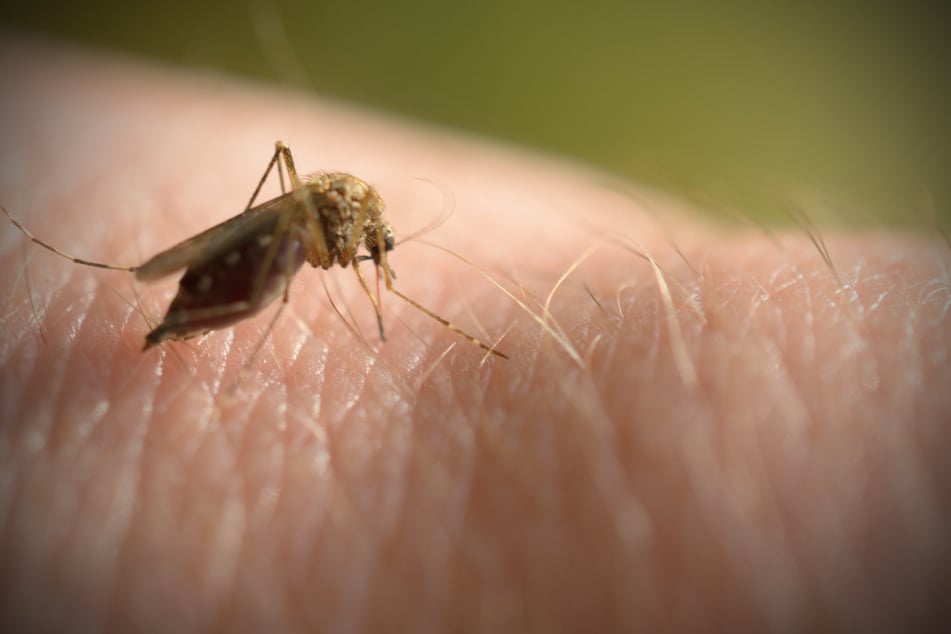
(212, 242)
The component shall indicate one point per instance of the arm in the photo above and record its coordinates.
(740, 440)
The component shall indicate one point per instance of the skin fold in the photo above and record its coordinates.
(728, 435)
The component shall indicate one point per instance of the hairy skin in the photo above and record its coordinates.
(751, 443)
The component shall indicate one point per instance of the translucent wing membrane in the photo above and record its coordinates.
(213, 242)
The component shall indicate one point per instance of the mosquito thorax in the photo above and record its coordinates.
(336, 200)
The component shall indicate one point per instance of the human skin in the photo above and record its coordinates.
(740, 438)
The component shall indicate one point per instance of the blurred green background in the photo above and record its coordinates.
(743, 106)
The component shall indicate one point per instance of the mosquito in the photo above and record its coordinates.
(238, 267)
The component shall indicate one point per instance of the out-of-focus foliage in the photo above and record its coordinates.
(747, 105)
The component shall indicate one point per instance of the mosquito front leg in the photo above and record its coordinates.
(63, 254)
(314, 225)
(357, 232)
(445, 322)
(366, 289)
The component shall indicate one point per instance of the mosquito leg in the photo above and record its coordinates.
(63, 254)
(281, 231)
(366, 289)
(285, 298)
(280, 177)
(314, 225)
(357, 233)
(257, 190)
(263, 340)
(350, 253)
(285, 152)
(445, 322)
(281, 153)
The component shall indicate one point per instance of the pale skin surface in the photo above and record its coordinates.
(767, 449)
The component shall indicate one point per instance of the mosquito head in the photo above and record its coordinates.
(373, 242)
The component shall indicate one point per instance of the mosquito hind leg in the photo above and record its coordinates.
(266, 333)
(283, 159)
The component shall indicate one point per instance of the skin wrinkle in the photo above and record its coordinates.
(898, 412)
(9, 485)
(395, 453)
(25, 359)
(782, 288)
(808, 312)
(313, 412)
(295, 352)
(267, 346)
(795, 412)
(610, 478)
(87, 443)
(310, 544)
(265, 457)
(352, 586)
(130, 501)
(287, 550)
(35, 320)
(216, 383)
(310, 535)
(13, 501)
(54, 434)
(729, 465)
(784, 599)
(229, 597)
(570, 391)
(354, 380)
(410, 498)
(203, 414)
(215, 567)
(39, 438)
(792, 400)
(257, 513)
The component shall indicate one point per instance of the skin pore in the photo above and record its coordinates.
(736, 436)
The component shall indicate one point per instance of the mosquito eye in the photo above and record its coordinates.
(388, 242)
